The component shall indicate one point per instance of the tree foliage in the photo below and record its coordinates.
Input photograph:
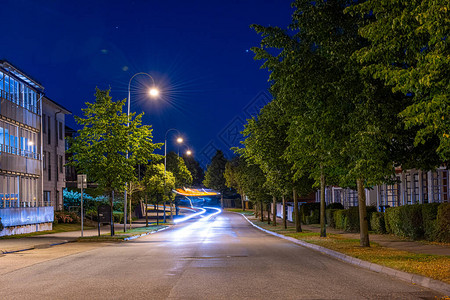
(100, 148)
(214, 178)
(176, 165)
(198, 174)
(159, 187)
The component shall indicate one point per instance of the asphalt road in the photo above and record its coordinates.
(220, 258)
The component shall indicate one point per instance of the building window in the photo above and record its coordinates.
(60, 164)
(49, 135)
(60, 132)
(44, 123)
(47, 198)
(44, 160)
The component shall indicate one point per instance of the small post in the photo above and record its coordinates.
(82, 184)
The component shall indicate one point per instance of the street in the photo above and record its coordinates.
(222, 257)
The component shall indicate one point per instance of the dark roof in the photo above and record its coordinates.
(20, 74)
(66, 111)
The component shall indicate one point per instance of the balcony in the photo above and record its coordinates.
(16, 112)
(29, 164)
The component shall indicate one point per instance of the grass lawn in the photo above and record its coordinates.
(63, 227)
(120, 235)
(238, 210)
(433, 266)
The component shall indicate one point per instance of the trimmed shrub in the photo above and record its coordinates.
(118, 217)
(351, 222)
(443, 223)
(329, 214)
(392, 220)
(310, 213)
(339, 218)
(429, 215)
(336, 205)
(377, 222)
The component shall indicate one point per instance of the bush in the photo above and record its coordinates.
(118, 217)
(339, 218)
(310, 213)
(377, 222)
(429, 214)
(331, 221)
(335, 206)
(392, 220)
(443, 223)
(66, 217)
(351, 219)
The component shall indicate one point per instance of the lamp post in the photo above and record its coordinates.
(179, 141)
(153, 92)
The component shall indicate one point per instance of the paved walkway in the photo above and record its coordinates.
(51, 239)
(385, 240)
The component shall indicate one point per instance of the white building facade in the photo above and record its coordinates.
(22, 207)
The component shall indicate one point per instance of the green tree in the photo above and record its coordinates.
(214, 178)
(408, 49)
(158, 186)
(234, 176)
(198, 174)
(176, 165)
(99, 150)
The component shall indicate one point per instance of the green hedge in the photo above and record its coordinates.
(443, 223)
(310, 213)
(420, 221)
(348, 219)
(329, 214)
(377, 223)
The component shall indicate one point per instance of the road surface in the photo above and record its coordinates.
(223, 257)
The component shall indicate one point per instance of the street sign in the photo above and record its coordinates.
(81, 181)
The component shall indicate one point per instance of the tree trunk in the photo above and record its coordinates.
(268, 212)
(284, 212)
(146, 212)
(243, 200)
(323, 230)
(262, 211)
(164, 212)
(255, 208)
(274, 211)
(111, 201)
(363, 223)
(298, 226)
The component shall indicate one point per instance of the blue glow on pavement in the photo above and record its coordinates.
(202, 211)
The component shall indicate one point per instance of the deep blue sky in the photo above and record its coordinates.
(197, 51)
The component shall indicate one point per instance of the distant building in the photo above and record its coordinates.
(53, 158)
(22, 207)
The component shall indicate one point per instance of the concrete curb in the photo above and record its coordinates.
(144, 234)
(423, 281)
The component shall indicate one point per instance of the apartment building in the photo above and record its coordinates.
(53, 158)
(408, 187)
(22, 207)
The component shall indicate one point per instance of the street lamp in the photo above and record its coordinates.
(153, 92)
(179, 141)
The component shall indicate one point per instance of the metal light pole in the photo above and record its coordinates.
(153, 92)
(179, 140)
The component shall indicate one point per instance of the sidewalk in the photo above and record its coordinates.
(385, 240)
(52, 239)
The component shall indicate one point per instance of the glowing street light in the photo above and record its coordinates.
(189, 152)
(153, 92)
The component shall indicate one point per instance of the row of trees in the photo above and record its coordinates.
(359, 88)
(118, 156)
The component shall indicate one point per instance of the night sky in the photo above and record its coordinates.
(197, 52)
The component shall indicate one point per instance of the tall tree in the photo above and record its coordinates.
(176, 165)
(234, 176)
(198, 174)
(408, 49)
(214, 178)
(100, 147)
